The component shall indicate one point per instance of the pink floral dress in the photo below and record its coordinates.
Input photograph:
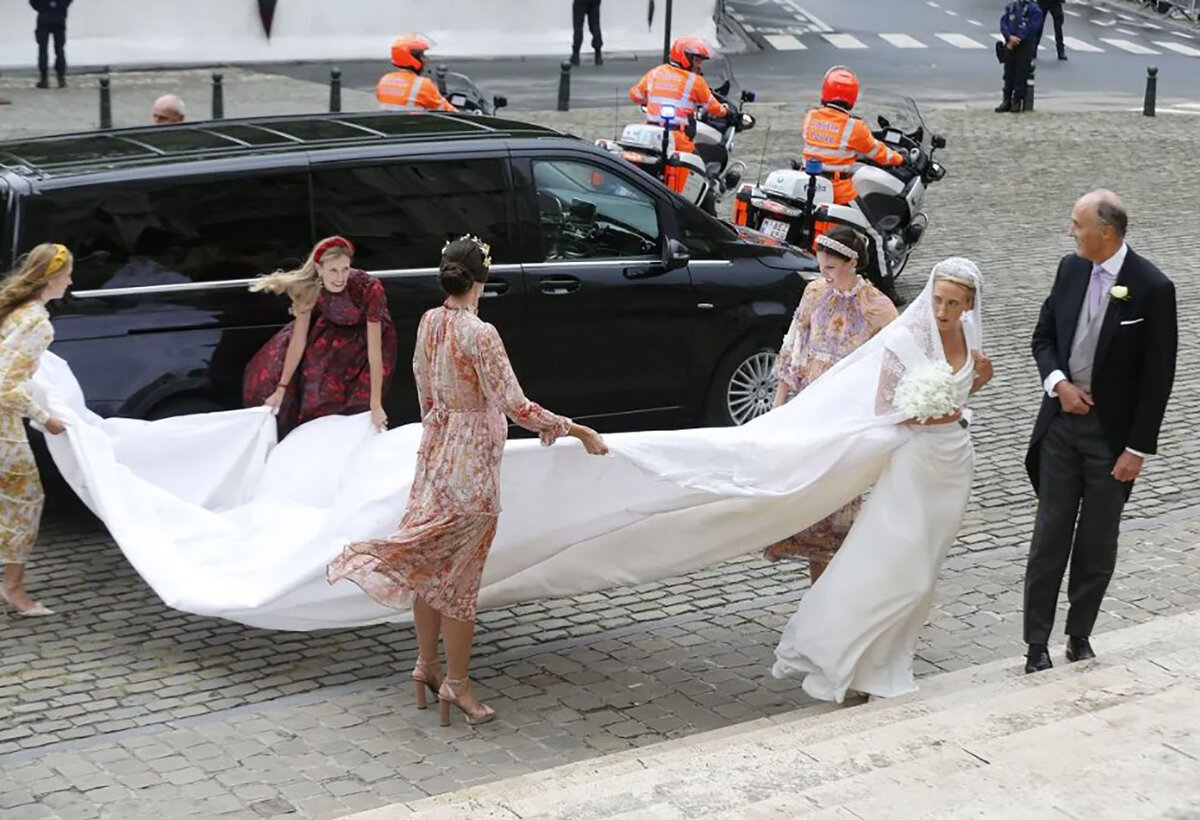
(828, 325)
(466, 387)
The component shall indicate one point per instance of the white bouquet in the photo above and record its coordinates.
(927, 392)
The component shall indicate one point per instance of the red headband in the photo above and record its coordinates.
(332, 242)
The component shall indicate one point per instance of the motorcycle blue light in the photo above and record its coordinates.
(812, 167)
(667, 112)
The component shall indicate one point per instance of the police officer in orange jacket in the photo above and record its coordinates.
(839, 139)
(679, 83)
(406, 89)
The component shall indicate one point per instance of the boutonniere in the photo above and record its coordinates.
(1119, 293)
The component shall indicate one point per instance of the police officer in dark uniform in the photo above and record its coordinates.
(51, 22)
(1021, 27)
(1054, 8)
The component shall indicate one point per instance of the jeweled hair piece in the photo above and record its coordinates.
(484, 248)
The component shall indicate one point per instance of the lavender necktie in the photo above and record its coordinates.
(1095, 292)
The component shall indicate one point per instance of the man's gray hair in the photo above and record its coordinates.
(1111, 211)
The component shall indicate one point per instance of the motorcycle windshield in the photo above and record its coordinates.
(718, 73)
(897, 112)
(462, 93)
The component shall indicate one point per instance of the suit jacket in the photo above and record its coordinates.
(1134, 366)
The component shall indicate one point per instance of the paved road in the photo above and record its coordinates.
(934, 50)
(122, 708)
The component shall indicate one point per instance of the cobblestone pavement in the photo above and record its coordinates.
(119, 707)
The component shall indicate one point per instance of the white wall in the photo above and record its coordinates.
(177, 32)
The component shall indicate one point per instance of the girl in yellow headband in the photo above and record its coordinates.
(25, 332)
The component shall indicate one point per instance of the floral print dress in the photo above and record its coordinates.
(334, 375)
(466, 387)
(24, 336)
(828, 325)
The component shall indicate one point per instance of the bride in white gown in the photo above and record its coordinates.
(856, 629)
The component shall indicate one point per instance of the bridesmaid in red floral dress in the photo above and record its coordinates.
(338, 356)
(434, 561)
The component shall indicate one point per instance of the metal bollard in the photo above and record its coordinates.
(564, 87)
(105, 102)
(439, 75)
(218, 96)
(335, 90)
(1151, 91)
(1029, 84)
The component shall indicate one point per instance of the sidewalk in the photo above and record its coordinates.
(121, 708)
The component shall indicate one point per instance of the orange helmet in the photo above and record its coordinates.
(687, 52)
(409, 51)
(840, 86)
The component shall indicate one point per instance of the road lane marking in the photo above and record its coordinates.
(1179, 47)
(1126, 45)
(785, 42)
(845, 41)
(960, 41)
(1075, 44)
(903, 41)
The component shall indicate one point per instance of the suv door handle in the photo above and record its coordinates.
(559, 285)
(495, 288)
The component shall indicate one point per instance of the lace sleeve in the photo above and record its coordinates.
(889, 379)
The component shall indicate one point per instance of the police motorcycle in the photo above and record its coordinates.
(711, 174)
(790, 201)
(464, 95)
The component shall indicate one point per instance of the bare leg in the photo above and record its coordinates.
(14, 586)
(816, 568)
(458, 636)
(428, 623)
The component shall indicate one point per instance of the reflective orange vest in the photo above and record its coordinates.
(686, 90)
(407, 91)
(838, 140)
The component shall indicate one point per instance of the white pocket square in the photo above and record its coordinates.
(1133, 321)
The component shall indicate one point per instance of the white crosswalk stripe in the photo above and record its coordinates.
(1072, 13)
(1178, 47)
(903, 41)
(846, 41)
(960, 41)
(1128, 45)
(785, 42)
(1075, 44)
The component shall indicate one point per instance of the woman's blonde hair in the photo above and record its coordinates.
(303, 284)
(962, 281)
(26, 282)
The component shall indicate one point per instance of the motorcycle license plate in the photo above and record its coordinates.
(775, 228)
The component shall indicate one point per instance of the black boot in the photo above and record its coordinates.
(1003, 107)
(44, 82)
(575, 57)
(1062, 53)
(62, 80)
(1018, 106)
(599, 58)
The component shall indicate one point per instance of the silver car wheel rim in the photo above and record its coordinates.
(751, 390)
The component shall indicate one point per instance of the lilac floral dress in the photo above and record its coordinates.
(828, 325)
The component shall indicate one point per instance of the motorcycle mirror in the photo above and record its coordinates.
(883, 122)
(499, 101)
(723, 88)
(749, 96)
(938, 141)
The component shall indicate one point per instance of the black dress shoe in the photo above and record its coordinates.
(574, 58)
(1004, 107)
(1062, 55)
(599, 58)
(1037, 659)
(1079, 649)
(1018, 106)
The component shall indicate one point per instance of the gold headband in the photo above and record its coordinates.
(60, 259)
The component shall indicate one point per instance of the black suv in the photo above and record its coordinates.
(619, 302)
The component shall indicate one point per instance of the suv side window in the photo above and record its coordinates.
(400, 213)
(587, 212)
(176, 231)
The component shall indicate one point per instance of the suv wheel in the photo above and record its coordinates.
(744, 385)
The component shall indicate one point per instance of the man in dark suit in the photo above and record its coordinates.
(589, 10)
(51, 22)
(1105, 347)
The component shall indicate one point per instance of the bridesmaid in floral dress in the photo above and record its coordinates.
(337, 357)
(434, 561)
(25, 333)
(837, 314)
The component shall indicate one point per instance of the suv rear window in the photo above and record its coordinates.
(400, 213)
(172, 231)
